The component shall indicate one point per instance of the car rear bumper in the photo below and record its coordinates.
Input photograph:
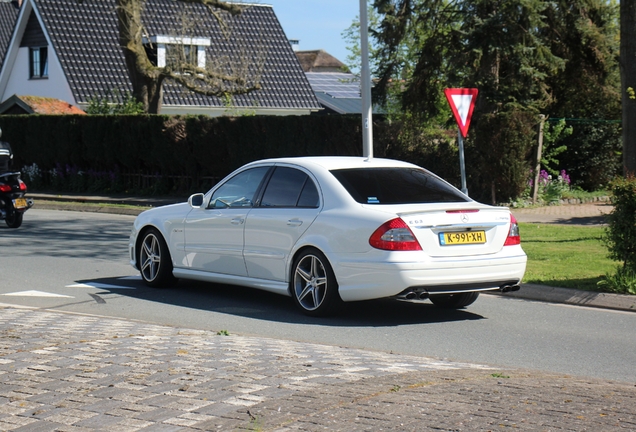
(370, 280)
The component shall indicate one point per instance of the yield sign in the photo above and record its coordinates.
(462, 102)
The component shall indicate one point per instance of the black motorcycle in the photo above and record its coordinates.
(13, 204)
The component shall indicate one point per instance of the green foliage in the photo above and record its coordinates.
(552, 135)
(620, 236)
(114, 103)
(352, 36)
(593, 155)
(533, 56)
(497, 158)
(622, 281)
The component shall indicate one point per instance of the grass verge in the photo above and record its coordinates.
(565, 256)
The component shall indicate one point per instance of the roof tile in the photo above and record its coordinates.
(86, 41)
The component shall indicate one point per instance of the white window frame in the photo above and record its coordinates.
(161, 41)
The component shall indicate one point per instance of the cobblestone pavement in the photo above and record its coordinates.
(69, 372)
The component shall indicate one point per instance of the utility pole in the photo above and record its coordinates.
(537, 169)
(365, 84)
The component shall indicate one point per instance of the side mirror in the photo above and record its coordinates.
(196, 200)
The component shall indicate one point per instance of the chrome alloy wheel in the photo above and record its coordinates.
(310, 282)
(150, 257)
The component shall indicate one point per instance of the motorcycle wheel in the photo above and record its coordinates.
(14, 219)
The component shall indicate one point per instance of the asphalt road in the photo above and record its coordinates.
(71, 261)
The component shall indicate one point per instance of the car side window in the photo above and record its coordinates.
(309, 196)
(289, 187)
(239, 191)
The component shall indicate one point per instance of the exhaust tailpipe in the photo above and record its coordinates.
(509, 288)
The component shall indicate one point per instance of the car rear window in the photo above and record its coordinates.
(396, 186)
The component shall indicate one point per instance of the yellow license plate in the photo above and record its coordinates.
(19, 203)
(462, 238)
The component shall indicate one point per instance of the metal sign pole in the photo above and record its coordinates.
(365, 90)
(462, 165)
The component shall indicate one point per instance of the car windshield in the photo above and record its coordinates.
(396, 186)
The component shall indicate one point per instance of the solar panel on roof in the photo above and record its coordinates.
(336, 85)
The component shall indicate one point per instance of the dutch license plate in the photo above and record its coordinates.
(462, 238)
(19, 203)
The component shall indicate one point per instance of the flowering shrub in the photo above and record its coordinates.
(70, 178)
(550, 189)
(554, 188)
(33, 175)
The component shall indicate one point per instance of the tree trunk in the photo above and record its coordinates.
(628, 83)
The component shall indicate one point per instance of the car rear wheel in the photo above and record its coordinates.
(454, 301)
(155, 264)
(314, 286)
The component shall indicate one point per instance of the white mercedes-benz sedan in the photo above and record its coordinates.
(324, 230)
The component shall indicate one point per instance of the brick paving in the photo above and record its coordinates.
(69, 372)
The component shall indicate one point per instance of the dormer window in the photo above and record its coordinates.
(172, 50)
(38, 62)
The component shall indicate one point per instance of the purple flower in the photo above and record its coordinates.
(565, 177)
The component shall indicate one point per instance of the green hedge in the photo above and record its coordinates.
(164, 153)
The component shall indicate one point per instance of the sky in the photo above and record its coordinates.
(317, 24)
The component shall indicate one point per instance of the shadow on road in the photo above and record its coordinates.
(262, 305)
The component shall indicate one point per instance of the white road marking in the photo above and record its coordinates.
(99, 286)
(33, 293)
(107, 286)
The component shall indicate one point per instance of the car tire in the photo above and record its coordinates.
(454, 301)
(14, 219)
(313, 284)
(155, 264)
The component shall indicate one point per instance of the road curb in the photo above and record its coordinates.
(573, 296)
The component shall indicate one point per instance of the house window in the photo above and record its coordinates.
(180, 54)
(38, 62)
(173, 50)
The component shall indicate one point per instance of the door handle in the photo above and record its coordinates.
(294, 222)
(237, 221)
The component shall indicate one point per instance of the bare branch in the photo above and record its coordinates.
(238, 74)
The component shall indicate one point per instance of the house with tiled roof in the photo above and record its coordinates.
(337, 89)
(70, 51)
(18, 105)
(8, 14)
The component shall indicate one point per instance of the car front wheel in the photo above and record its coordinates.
(454, 301)
(155, 264)
(314, 286)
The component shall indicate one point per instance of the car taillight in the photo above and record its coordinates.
(5, 188)
(394, 235)
(513, 235)
(23, 186)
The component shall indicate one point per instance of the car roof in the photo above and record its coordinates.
(338, 162)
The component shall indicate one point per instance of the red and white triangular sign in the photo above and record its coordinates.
(462, 102)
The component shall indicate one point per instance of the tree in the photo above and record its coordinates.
(587, 92)
(492, 45)
(527, 57)
(628, 83)
(218, 78)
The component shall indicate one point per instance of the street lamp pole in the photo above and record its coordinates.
(365, 84)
